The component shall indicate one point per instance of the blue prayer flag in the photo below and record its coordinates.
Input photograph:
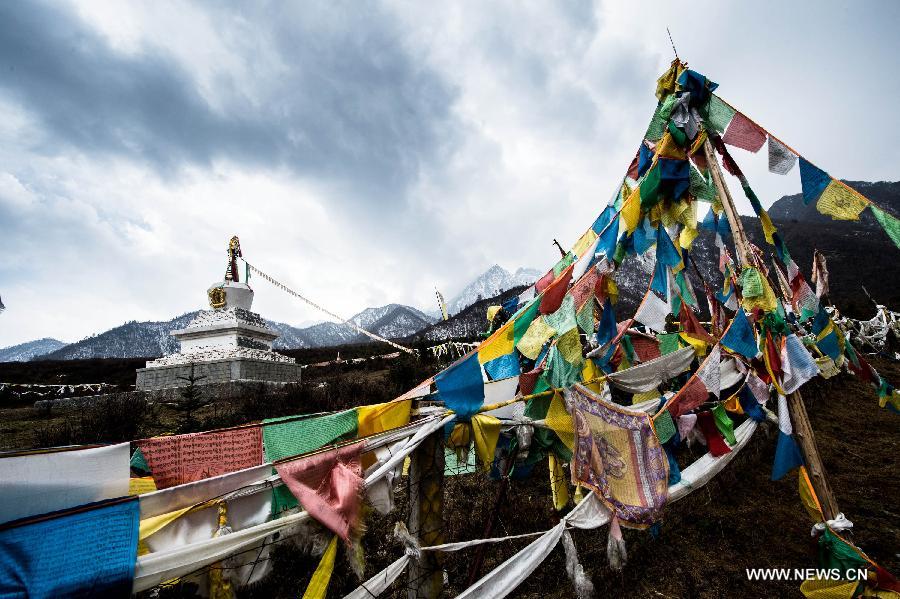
(645, 159)
(750, 405)
(644, 236)
(503, 367)
(607, 329)
(666, 252)
(787, 456)
(821, 321)
(739, 337)
(698, 86)
(674, 470)
(829, 345)
(608, 239)
(813, 180)
(675, 176)
(603, 220)
(88, 551)
(461, 387)
(723, 227)
(709, 221)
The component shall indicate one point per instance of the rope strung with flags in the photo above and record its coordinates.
(344, 321)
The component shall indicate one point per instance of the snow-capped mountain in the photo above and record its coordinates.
(151, 339)
(491, 283)
(30, 349)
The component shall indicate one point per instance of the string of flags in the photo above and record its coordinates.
(565, 348)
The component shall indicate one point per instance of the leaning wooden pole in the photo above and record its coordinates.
(799, 417)
(425, 522)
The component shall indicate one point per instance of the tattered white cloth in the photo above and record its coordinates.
(649, 375)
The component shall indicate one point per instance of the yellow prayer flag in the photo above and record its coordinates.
(825, 588)
(492, 312)
(631, 212)
(584, 242)
(733, 404)
(645, 396)
(560, 421)
(667, 148)
(382, 417)
(767, 301)
(537, 334)
(559, 485)
(698, 344)
(318, 584)
(499, 344)
(687, 237)
(840, 202)
(569, 346)
(486, 432)
(808, 496)
(148, 526)
(767, 226)
(139, 486)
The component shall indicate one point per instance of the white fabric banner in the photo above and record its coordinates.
(379, 583)
(649, 375)
(50, 480)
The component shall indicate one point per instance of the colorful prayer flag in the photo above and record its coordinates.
(813, 180)
(781, 159)
(745, 134)
(461, 387)
(840, 202)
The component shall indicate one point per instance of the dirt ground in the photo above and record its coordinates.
(706, 541)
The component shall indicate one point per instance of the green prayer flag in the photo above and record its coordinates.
(650, 188)
(724, 423)
(524, 319)
(751, 283)
(585, 316)
(563, 263)
(562, 374)
(890, 224)
(834, 553)
(138, 462)
(665, 426)
(660, 119)
(668, 343)
(701, 188)
(284, 438)
(717, 114)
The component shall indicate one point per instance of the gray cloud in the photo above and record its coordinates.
(347, 105)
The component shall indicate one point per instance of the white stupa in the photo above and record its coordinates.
(227, 343)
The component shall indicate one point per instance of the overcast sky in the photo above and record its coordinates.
(365, 153)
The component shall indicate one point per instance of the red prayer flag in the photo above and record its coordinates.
(745, 134)
(692, 326)
(329, 486)
(691, 395)
(715, 442)
(543, 282)
(556, 291)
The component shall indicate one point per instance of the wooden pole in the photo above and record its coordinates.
(797, 410)
(426, 522)
(807, 440)
(737, 227)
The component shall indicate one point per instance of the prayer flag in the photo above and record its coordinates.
(889, 223)
(329, 486)
(553, 295)
(724, 423)
(563, 319)
(718, 114)
(461, 387)
(797, 364)
(745, 134)
(840, 202)
(781, 159)
(607, 329)
(714, 440)
(739, 337)
(534, 338)
(82, 552)
(618, 455)
(813, 180)
(631, 212)
(787, 454)
(523, 321)
(179, 459)
(652, 312)
(502, 367)
(501, 343)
